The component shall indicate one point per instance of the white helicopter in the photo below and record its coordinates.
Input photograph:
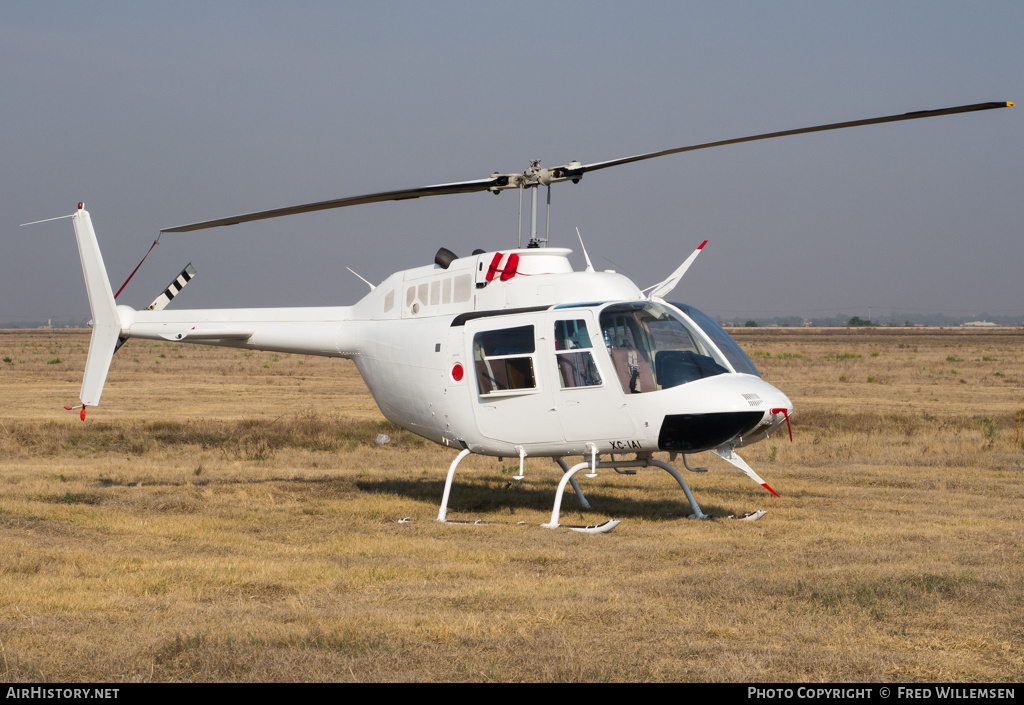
(508, 353)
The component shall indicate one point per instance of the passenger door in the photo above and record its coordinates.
(512, 390)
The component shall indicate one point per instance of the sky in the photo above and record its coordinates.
(158, 114)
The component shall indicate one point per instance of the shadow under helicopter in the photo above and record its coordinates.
(469, 499)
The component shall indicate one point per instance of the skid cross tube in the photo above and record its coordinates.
(575, 485)
(642, 463)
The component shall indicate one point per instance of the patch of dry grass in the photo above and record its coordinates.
(226, 516)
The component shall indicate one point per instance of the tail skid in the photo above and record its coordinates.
(106, 324)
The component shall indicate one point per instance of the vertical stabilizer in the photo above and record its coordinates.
(106, 326)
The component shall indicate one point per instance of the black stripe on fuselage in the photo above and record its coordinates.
(461, 319)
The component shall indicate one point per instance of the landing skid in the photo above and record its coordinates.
(568, 477)
(595, 529)
(592, 529)
(443, 511)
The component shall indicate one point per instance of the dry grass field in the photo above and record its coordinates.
(227, 516)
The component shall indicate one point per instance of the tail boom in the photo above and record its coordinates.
(326, 331)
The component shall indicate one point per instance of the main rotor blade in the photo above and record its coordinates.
(400, 195)
(572, 171)
(569, 172)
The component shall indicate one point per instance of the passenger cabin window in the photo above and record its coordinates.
(504, 360)
(576, 367)
(653, 348)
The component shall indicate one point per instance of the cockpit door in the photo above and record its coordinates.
(588, 397)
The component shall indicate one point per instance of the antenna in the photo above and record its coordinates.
(590, 266)
(372, 287)
(59, 217)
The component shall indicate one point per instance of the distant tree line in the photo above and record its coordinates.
(895, 319)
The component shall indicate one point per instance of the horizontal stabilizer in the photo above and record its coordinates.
(196, 332)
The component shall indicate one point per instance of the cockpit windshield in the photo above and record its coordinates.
(722, 340)
(653, 348)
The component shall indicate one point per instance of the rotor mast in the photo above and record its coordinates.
(533, 178)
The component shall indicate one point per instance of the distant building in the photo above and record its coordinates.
(979, 324)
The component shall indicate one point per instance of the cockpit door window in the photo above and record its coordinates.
(576, 366)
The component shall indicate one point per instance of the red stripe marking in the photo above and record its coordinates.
(765, 485)
(495, 264)
(510, 267)
(702, 245)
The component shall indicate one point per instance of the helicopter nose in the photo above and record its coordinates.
(743, 408)
(693, 433)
